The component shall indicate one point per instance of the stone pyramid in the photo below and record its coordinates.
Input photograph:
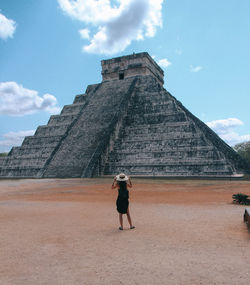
(127, 123)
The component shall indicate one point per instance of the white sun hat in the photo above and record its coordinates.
(122, 177)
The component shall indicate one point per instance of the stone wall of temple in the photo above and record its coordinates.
(131, 65)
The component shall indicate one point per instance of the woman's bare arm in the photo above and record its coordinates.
(129, 183)
(114, 184)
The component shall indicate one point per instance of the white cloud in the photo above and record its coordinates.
(16, 100)
(226, 130)
(84, 33)
(195, 68)
(7, 27)
(164, 62)
(13, 139)
(116, 25)
(223, 125)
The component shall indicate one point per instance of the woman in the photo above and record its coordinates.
(121, 182)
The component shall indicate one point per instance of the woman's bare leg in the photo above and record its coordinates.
(121, 221)
(129, 219)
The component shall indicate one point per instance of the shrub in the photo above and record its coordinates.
(241, 198)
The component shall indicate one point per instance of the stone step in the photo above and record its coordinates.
(174, 155)
(167, 161)
(15, 150)
(48, 130)
(159, 114)
(150, 88)
(146, 128)
(173, 149)
(91, 88)
(157, 99)
(159, 145)
(157, 110)
(31, 155)
(172, 162)
(81, 98)
(31, 151)
(61, 119)
(170, 170)
(48, 141)
(161, 137)
(157, 131)
(16, 172)
(148, 84)
(72, 109)
(30, 162)
(156, 118)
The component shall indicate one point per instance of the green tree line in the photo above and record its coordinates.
(243, 150)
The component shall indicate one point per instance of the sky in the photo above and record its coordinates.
(50, 51)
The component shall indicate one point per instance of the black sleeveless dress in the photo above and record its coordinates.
(122, 201)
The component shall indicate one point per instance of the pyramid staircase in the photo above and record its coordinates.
(82, 148)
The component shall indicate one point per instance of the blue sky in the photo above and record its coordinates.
(50, 51)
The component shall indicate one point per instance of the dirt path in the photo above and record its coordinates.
(66, 232)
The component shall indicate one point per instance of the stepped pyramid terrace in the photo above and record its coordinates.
(127, 123)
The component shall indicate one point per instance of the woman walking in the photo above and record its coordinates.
(121, 182)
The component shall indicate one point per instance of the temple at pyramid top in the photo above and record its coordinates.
(131, 65)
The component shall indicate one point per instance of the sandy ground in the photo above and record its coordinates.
(66, 232)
